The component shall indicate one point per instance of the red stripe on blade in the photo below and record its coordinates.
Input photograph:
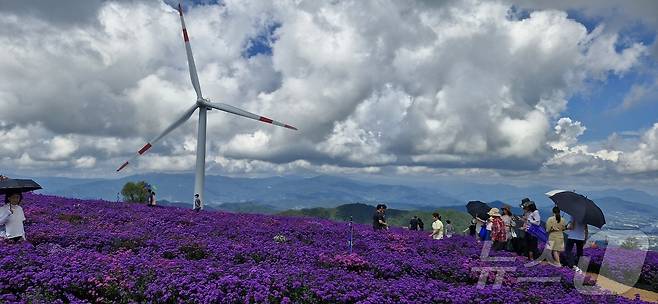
(146, 147)
(187, 39)
(265, 119)
(180, 9)
(290, 127)
(122, 166)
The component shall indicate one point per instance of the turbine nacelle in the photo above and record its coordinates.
(201, 102)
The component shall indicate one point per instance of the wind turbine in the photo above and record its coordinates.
(203, 105)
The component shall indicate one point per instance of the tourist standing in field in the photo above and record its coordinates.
(413, 223)
(471, 228)
(506, 216)
(12, 218)
(489, 227)
(197, 202)
(481, 228)
(555, 225)
(507, 220)
(151, 199)
(421, 225)
(437, 227)
(450, 230)
(379, 218)
(576, 236)
(531, 217)
(498, 235)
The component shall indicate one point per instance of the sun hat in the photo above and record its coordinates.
(494, 212)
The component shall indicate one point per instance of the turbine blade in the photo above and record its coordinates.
(190, 59)
(237, 111)
(156, 139)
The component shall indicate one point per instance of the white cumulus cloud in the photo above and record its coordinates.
(410, 84)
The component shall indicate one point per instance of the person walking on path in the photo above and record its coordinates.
(555, 225)
(576, 236)
(498, 234)
(437, 227)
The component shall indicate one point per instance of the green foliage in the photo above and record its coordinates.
(72, 218)
(126, 244)
(630, 243)
(135, 192)
(194, 252)
(248, 207)
(362, 213)
(328, 213)
(460, 220)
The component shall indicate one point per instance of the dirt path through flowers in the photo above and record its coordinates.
(623, 290)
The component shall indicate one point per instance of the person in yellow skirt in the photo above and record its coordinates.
(555, 225)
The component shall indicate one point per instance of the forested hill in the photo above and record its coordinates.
(362, 213)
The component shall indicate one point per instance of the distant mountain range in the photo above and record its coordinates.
(280, 192)
(512, 195)
(276, 194)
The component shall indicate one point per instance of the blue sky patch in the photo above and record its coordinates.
(262, 43)
(601, 111)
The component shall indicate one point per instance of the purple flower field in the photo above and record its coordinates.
(105, 252)
(623, 263)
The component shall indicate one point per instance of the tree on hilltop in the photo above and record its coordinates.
(135, 192)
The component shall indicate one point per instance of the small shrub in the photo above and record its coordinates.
(630, 243)
(72, 218)
(194, 252)
(130, 244)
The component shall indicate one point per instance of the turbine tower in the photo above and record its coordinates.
(203, 105)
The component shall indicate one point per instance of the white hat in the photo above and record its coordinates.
(494, 212)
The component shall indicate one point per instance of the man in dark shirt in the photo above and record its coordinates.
(379, 219)
(413, 223)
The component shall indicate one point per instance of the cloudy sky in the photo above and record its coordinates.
(495, 91)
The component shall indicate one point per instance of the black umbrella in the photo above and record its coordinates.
(478, 209)
(580, 208)
(11, 185)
